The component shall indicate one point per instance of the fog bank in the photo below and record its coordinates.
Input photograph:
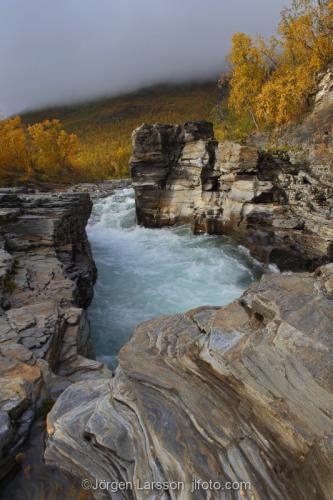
(68, 50)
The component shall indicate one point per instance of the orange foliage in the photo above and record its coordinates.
(96, 136)
(14, 158)
(271, 83)
(39, 152)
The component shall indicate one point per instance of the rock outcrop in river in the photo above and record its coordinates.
(241, 393)
(277, 206)
(278, 203)
(46, 281)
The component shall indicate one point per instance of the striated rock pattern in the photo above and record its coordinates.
(46, 282)
(277, 205)
(278, 202)
(241, 393)
(167, 166)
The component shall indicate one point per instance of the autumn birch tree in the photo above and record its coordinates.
(273, 82)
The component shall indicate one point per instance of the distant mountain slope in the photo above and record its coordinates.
(104, 127)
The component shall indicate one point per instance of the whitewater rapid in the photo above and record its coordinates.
(144, 273)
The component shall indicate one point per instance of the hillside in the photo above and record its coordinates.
(104, 127)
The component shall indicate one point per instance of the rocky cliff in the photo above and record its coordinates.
(279, 205)
(240, 394)
(46, 281)
(278, 202)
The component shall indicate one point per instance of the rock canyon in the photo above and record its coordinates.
(240, 394)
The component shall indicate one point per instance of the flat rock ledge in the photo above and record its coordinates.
(241, 393)
(46, 282)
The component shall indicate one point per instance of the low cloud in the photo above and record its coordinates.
(54, 52)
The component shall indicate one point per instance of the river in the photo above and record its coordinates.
(144, 273)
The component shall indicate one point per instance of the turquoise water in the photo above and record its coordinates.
(144, 273)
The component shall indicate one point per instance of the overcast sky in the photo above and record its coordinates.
(56, 51)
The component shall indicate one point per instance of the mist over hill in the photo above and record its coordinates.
(65, 51)
(104, 126)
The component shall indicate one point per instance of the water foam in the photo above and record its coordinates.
(144, 273)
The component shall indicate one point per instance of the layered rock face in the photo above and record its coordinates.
(277, 202)
(240, 394)
(167, 164)
(46, 282)
(280, 207)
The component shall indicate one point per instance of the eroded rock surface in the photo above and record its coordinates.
(240, 393)
(100, 189)
(46, 282)
(277, 201)
(280, 206)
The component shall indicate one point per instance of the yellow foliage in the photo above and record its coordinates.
(52, 150)
(43, 151)
(14, 159)
(103, 128)
(306, 32)
(271, 83)
(249, 72)
(283, 97)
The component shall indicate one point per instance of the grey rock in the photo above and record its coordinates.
(239, 393)
(46, 276)
(100, 189)
(276, 204)
(5, 430)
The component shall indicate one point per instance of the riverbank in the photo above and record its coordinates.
(46, 284)
(240, 394)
